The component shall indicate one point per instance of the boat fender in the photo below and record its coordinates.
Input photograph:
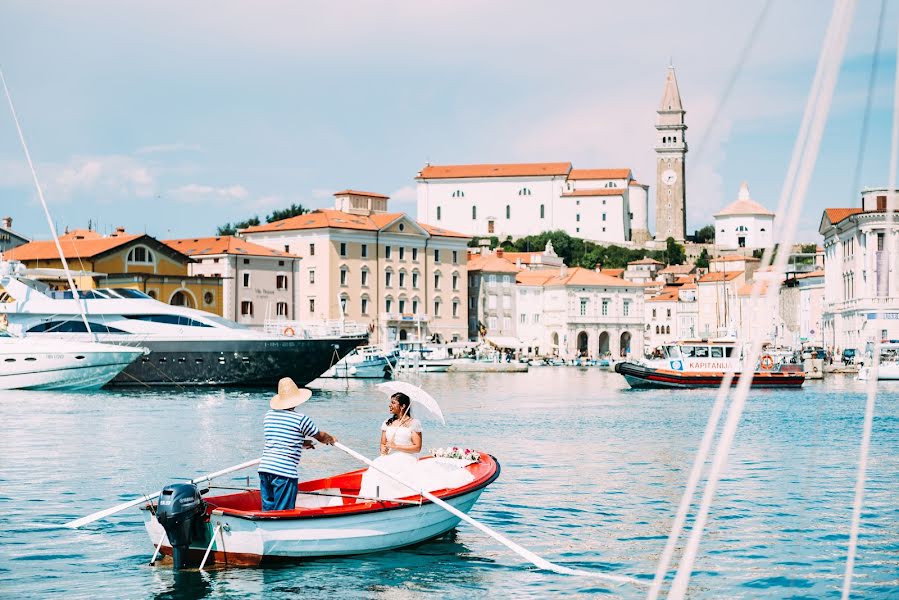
(289, 331)
(766, 362)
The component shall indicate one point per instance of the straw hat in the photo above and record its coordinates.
(289, 395)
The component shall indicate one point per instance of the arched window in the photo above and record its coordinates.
(524, 192)
(344, 275)
(657, 329)
(140, 255)
(458, 194)
(455, 307)
(388, 303)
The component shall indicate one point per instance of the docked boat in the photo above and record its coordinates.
(888, 368)
(365, 362)
(704, 363)
(416, 356)
(60, 365)
(330, 519)
(186, 346)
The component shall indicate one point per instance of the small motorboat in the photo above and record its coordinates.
(330, 519)
(704, 363)
(365, 362)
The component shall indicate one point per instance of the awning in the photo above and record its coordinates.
(504, 342)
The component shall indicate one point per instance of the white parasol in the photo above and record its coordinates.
(417, 395)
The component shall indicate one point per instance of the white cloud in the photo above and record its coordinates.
(195, 192)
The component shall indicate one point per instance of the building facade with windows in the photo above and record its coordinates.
(516, 200)
(9, 239)
(861, 271)
(491, 296)
(258, 283)
(406, 279)
(122, 260)
(744, 223)
(588, 314)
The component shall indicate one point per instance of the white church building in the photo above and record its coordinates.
(744, 223)
(502, 200)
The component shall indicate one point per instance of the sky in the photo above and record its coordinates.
(173, 118)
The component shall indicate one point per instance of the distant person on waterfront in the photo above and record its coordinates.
(285, 438)
(401, 439)
(4, 324)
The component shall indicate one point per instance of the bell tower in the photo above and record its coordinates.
(671, 148)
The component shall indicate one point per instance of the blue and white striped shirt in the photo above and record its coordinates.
(285, 431)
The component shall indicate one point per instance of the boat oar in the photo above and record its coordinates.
(125, 505)
(523, 552)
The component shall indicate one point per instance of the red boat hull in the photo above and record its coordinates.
(640, 376)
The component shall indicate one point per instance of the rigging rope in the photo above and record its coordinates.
(873, 370)
(802, 162)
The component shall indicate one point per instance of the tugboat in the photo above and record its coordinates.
(703, 364)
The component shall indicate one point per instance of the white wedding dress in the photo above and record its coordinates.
(425, 475)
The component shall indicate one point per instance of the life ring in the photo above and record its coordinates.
(289, 331)
(766, 362)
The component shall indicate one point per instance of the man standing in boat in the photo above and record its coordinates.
(285, 437)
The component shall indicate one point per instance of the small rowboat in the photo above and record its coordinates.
(330, 520)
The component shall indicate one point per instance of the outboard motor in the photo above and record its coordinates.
(182, 513)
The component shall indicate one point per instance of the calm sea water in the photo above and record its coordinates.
(592, 476)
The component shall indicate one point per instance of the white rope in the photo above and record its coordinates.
(40, 194)
(829, 62)
(523, 552)
(874, 368)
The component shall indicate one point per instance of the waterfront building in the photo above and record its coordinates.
(123, 260)
(717, 303)
(587, 313)
(516, 200)
(405, 279)
(9, 239)
(861, 259)
(736, 263)
(661, 319)
(643, 270)
(491, 295)
(796, 318)
(530, 309)
(744, 223)
(258, 283)
(671, 152)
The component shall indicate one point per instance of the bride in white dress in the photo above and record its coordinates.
(401, 440)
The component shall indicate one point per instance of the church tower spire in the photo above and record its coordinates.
(671, 149)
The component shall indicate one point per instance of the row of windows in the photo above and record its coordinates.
(664, 329)
(365, 304)
(388, 278)
(474, 213)
(246, 309)
(667, 310)
(585, 307)
(280, 281)
(523, 318)
(401, 251)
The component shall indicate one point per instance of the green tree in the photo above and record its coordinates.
(704, 235)
(674, 252)
(229, 229)
(703, 261)
(285, 213)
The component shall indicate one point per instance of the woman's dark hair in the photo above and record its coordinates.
(404, 401)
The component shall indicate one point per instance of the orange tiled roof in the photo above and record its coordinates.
(358, 193)
(719, 276)
(329, 218)
(734, 259)
(600, 174)
(612, 272)
(582, 276)
(818, 273)
(665, 296)
(538, 277)
(746, 288)
(597, 192)
(634, 182)
(688, 286)
(835, 215)
(71, 248)
(677, 270)
(491, 263)
(227, 244)
(494, 170)
(81, 234)
(645, 261)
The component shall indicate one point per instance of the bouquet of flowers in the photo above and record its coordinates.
(456, 452)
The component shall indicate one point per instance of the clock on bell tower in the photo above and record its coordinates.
(671, 148)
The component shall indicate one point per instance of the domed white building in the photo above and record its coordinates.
(744, 224)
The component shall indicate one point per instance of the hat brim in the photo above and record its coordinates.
(280, 402)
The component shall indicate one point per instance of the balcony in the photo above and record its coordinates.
(404, 318)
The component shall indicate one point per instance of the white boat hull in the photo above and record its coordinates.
(252, 541)
(885, 372)
(40, 365)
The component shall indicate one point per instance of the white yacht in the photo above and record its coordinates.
(365, 362)
(186, 346)
(888, 369)
(28, 364)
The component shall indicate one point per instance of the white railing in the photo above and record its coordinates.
(871, 301)
(405, 317)
(314, 329)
